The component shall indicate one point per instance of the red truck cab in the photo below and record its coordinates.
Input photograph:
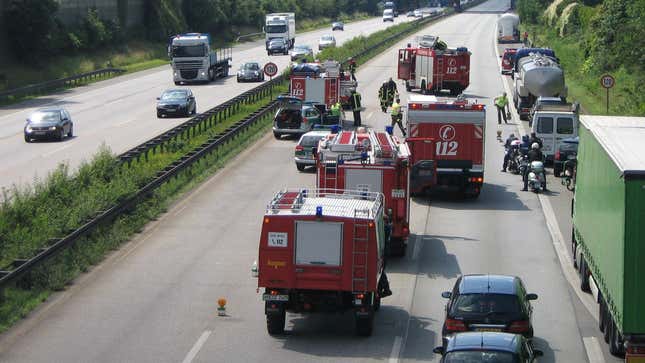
(508, 60)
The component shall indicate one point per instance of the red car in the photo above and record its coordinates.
(507, 60)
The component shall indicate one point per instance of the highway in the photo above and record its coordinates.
(155, 299)
(120, 112)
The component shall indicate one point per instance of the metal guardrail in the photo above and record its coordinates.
(20, 267)
(40, 88)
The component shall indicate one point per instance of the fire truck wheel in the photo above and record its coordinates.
(377, 302)
(365, 325)
(300, 167)
(275, 323)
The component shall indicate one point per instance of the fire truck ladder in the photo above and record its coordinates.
(440, 71)
(360, 243)
(331, 174)
(333, 92)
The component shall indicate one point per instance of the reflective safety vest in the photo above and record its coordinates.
(356, 97)
(396, 109)
(501, 101)
(335, 109)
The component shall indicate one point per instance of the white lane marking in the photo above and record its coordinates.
(369, 116)
(570, 274)
(48, 154)
(198, 345)
(594, 352)
(124, 122)
(178, 212)
(417, 248)
(396, 350)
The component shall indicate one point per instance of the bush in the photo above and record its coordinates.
(30, 27)
(162, 19)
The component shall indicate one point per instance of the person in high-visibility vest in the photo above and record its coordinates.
(335, 109)
(355, 102)
(382, 97)
(352, 68)
(501, 102)
(397, 117)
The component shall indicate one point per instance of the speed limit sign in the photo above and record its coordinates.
(270, 69)
(607, 81)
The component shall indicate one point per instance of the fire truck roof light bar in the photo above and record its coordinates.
(335, 202)
(446, 106)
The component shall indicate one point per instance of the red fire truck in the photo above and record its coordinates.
(429, 69)
(372, 161)
(321, 83)
(322, 251)
(456, 160)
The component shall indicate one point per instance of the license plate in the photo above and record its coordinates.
(40, 132)
(269, 297)
(489, 329)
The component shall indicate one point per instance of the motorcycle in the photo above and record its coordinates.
(570, 167)
(514, 161)
(536, 176)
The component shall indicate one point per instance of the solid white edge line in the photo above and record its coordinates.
(557, 239)
(594, 352)
(396, 350)
(198, 345)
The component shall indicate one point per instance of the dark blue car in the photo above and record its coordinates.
(487, 347)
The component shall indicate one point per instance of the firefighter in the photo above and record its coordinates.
(392, 91)
(355, 103)
(509, 151)
(501, 102)
(397, 117)
(382, 96)
(352, 68)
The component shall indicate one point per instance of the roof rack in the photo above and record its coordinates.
(333, 202)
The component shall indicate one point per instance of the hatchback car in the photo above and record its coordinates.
(326, 41)
(250, 71)
(301, 51)
(568, 150)
(338, 25)
(495, 303)
(49, 123)
(487, 347)
(277, 45)
(294, 117)
(177, 102)
(304, 155)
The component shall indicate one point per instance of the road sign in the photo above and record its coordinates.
(607, 81)
(270, 69)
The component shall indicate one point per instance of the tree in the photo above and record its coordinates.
(30, 26)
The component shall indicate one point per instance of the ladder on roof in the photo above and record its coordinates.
(360, 248)
(330, 177)
(333, 92)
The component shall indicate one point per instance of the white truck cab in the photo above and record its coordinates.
(553, 123)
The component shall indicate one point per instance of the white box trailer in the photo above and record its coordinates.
(280, 25)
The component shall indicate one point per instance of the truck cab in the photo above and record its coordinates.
(193, 60)
(280, 25)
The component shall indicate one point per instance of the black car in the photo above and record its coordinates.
(338, 25)
(250, 71)
(495, 303)
(177, 101)
(49, 123)
(277, 45)
(568, 150)
(487, 347)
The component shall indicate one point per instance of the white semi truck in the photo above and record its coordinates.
(193, 60)
(280, 25)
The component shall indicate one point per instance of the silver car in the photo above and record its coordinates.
(49, 123)
(326, 41)
(303, 154)
(301, 51)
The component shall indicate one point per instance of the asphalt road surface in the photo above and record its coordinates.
(121, 113)
(155, 299)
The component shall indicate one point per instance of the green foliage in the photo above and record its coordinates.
(530, 11)
(162, 19)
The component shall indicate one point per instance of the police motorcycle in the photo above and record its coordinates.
(570, 166)
(515, 159)
(536, 176)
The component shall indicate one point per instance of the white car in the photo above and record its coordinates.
(326, 41)
(388, 15)
(418, 14)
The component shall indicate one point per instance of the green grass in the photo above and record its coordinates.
(583, 82)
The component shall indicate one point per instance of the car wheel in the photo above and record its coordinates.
(268, 53)
(71, 132)
(300, 167)
(61, 135)
(238, 79)
(277, 135)
(195, 110)
(27, 139)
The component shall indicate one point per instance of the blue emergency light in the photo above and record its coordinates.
(319, 211)
(334, 129)
(389, 129)
(364, 155)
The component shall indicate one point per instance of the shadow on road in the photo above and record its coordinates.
(543, 345)
(437, 262)
(492, 197)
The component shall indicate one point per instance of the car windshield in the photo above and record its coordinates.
(45, 116)
(327, 38)
(301, 48)
(485, 304)
(179, 51)
(276, 28)
(173, 95)
(479, 357)
(251, 66)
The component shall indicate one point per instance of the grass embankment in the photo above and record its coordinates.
(65, 200)
(135, 56)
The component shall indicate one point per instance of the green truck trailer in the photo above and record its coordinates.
(608, 237)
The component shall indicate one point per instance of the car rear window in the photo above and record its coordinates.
(545, 125)
(480, 356)
(565, 125)
(309, 141)
(485, 303)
